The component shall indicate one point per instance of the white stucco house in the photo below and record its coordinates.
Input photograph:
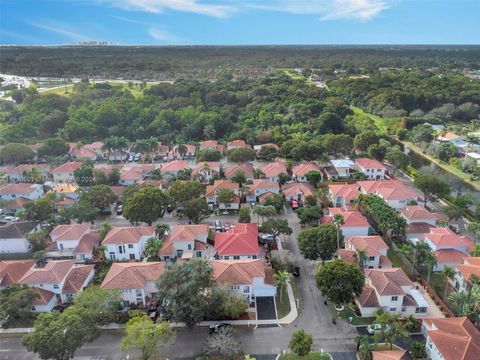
(13, 239)
(13, 191)
(238, 243)
(187, 241)
(127, 243)
(371, 168)
(260, 187)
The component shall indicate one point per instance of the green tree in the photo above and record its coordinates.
(417, 350)
(147, 205)
(275, 200)
(66, 333)
(241, 155)
(267, 153)
(244, 215)
(340, 281)
(391, 328)
(54, 146)
(338, 221)
(38, 240)
(467, 303)
(82, 211)
(100, 197)
(397, 157)
(258, 173)
(197, 210)
(318, 242)
(225, 196)
(146, 337)
(208, 155)
(152, 246)
(16, 303)
(40, 209)
(314, 177)
(364, 140)
(264, 211)
(84, 174)
(100, 303)
(15, 153)
(309, 215)
(224, 302)
(301, 343)
(474, 228)
(310, 200)
(453, 212)
(180, 192)
(104, 228)
(449, 273)
(281, 279)
(276, 227)
(432, 187)
(365, 347)
(161, 229)
(239, 177)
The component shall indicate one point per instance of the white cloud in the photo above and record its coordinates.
(60, 30)
(164, 36)
(159, 6)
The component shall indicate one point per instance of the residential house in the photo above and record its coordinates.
(127, 243)
(208, 144)
(83, 153)
(300, 171)
(170, 169)
(131, 175)
(392, 291)
(394, 192)
(474, 156)
(13, 239)
(190, 152)
(18, 173)
(272, 170)
(117, 155)
(75, 241)
(237, 144)
(135, 281)
(231, 169)
(297, 191)
(11, 271)
(212, 190)
(415, 231)
(187, 241)
(355, 224)
(238, 243)
(45, 302)
(68, 236)
(340, 169)
(451, 138)
(391, 355)
(206, 171)
(65, 172)
(374, 249)
(466, 273)
(250, 278)
(448, 247)
(61, 277)
(414, 214)
(97, 148)
(371, 168)
(13, 191)
(260, 187)
(342, 195)
(451, 339)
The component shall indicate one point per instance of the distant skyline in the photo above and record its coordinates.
(245, 22)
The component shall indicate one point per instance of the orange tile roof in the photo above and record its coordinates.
(240, 240)
(174, 166)
(132, 275)
(446, 237)
(262, 184)
(231, 169)
(351, 218)
(294, 188)
(389, 189)
(13, 270)
(455, 338)
(304, 168)
(238, 143)
(348, 256)
(372, 245)
(127, 235)
(208, 144)
(76, 278)
(18, 188)
(237, 272)
(346, 191)
(449, 256)
(469, 268)
(53, 273)
(418, 213)
(388, 281)
(367, 163)
(391, 355)
(273, 169)
(68, 167)
(43, 298)
(200, 166)
(83, 152)
(221, 184)
(69, 232)
(368, 298)
(87, 243)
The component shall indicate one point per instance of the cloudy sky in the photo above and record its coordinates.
(213, 22)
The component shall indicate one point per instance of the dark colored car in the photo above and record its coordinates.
(296, 271)
(212, 329)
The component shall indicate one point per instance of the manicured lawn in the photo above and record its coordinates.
(437, 282)
(347, 312)
(394, 258)
(283, 308)
(311, 356)
(60, 90)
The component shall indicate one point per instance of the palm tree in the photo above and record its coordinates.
(449, 273)
(365, 347)
(281, 280)
(338, 220)
(182, 150)
(258, 174)
(431, 261)
(161, 229)
(474, 228)
(476, 251)
(467, 303)
(362, 257)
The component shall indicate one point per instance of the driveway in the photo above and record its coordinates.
(266, 308)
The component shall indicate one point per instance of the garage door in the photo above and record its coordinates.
(266, 308)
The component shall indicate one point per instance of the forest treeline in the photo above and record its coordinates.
(170, 62)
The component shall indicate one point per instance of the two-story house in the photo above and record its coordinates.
(212, 191)
(11, 271)
(272, 170)
(171, 169)
(238, 243)
(394, 192)
(466, 273)
(355, 224)
(343, 194)
(300, 171)
(28, 192)
(414, 214)
(134, 174)
(231, 170)
(340, 169)
(65, 172)
(237, 144)
(187, 241)
(392, 291)
(451, 339)
(135, 281)
(371, 251)
(206, 171)
(297, 191)
(260, 187)
(13, 239)
(175, 153)
(371, 168)
(127, 243)
(250, 278)
(19, 173)
(74, 241)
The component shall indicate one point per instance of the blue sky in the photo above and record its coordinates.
(243, 22)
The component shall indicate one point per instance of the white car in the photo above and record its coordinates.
(374, 328)
(130, 158)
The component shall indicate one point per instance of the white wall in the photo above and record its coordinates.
(354, 231)
(17, 245)
(46, 308)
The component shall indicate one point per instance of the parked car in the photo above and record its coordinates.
(296, 271)
(119, 209)
(218, 225)
(226, 226)
(169, 208)
(267, 237)
(294, 204)
(374, 328)
(136, 157)
(212, 329)
(130, 158)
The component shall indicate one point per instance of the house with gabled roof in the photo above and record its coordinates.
(343, 194)
(127, 243)
(11, 271)
(340, 169)
(205, 171)
(391, 290)
(238, 243)
(65, 172)
(13, 239)
(391, 355)
(374, 249)
(451, 339)
(135, 281)
(272, 170)
(13, 191)
(212, 190)
(259, 187)
(73, 241)
(394, 192)
(231, 170)
(249, 278)
(371, 168)
(237, 144)
(297, 191)
(83, 153)
(467, 273)
(187, 241)
(300, 171)
(414, 214)
(355, 224)
(191, 150)
(171, 169)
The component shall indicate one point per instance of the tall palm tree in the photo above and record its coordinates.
(365, 347)
(476, 251)
(338, 220)
(161, 229)
(281, 280)
(182, 150)
(449, 273)
(474, 228)
(431, 261)
(258, 174)
(362, 257)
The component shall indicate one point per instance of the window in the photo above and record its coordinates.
(254, 256)
(82, 257)
(394, 298)
(246, 289)
(236, 257)
(392, 309)
(132, 256)
(33, 308)
(55, 286)
(404, 309)
(61, 246)
(420, 310)
(226, 257)
(112, 256)
(130, 246)
(120, 250)
(198, 254)
(371, 258)
(379, 170)
(189, 246)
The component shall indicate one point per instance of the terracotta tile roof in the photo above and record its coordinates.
(294, 188)
(69, 232)
(416, 213)
(388, 281)
(238, 143)
(132, 275)
(372, 245)
(352, 218)
(348, 256)
(237, 272)
(97, 145)
(408, 300)
(76, 278)
(221, 184)
(191, 149)
(272, 145)
(17, 230)
(83, 152)
(449, 256)
(174, 166)
(265, 196)
(44, 297)
(87, 243)
(469, 268)
(418, 228)
(455, 338)
(389, 189)
(391, 355)
(367, 163)
(18, 188)
(262, 184)
(384, 261)
(68, 167)
(449, 136)
(187, 232)
(231, 169)
(127, 235)
(304, 168)
(274, 169)
(346, 191)
(212, 166)
(446, 237)
(12, 270)
(53, 273)
(368, 298)
(137, 172)
(240, 240)
(208, 144)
